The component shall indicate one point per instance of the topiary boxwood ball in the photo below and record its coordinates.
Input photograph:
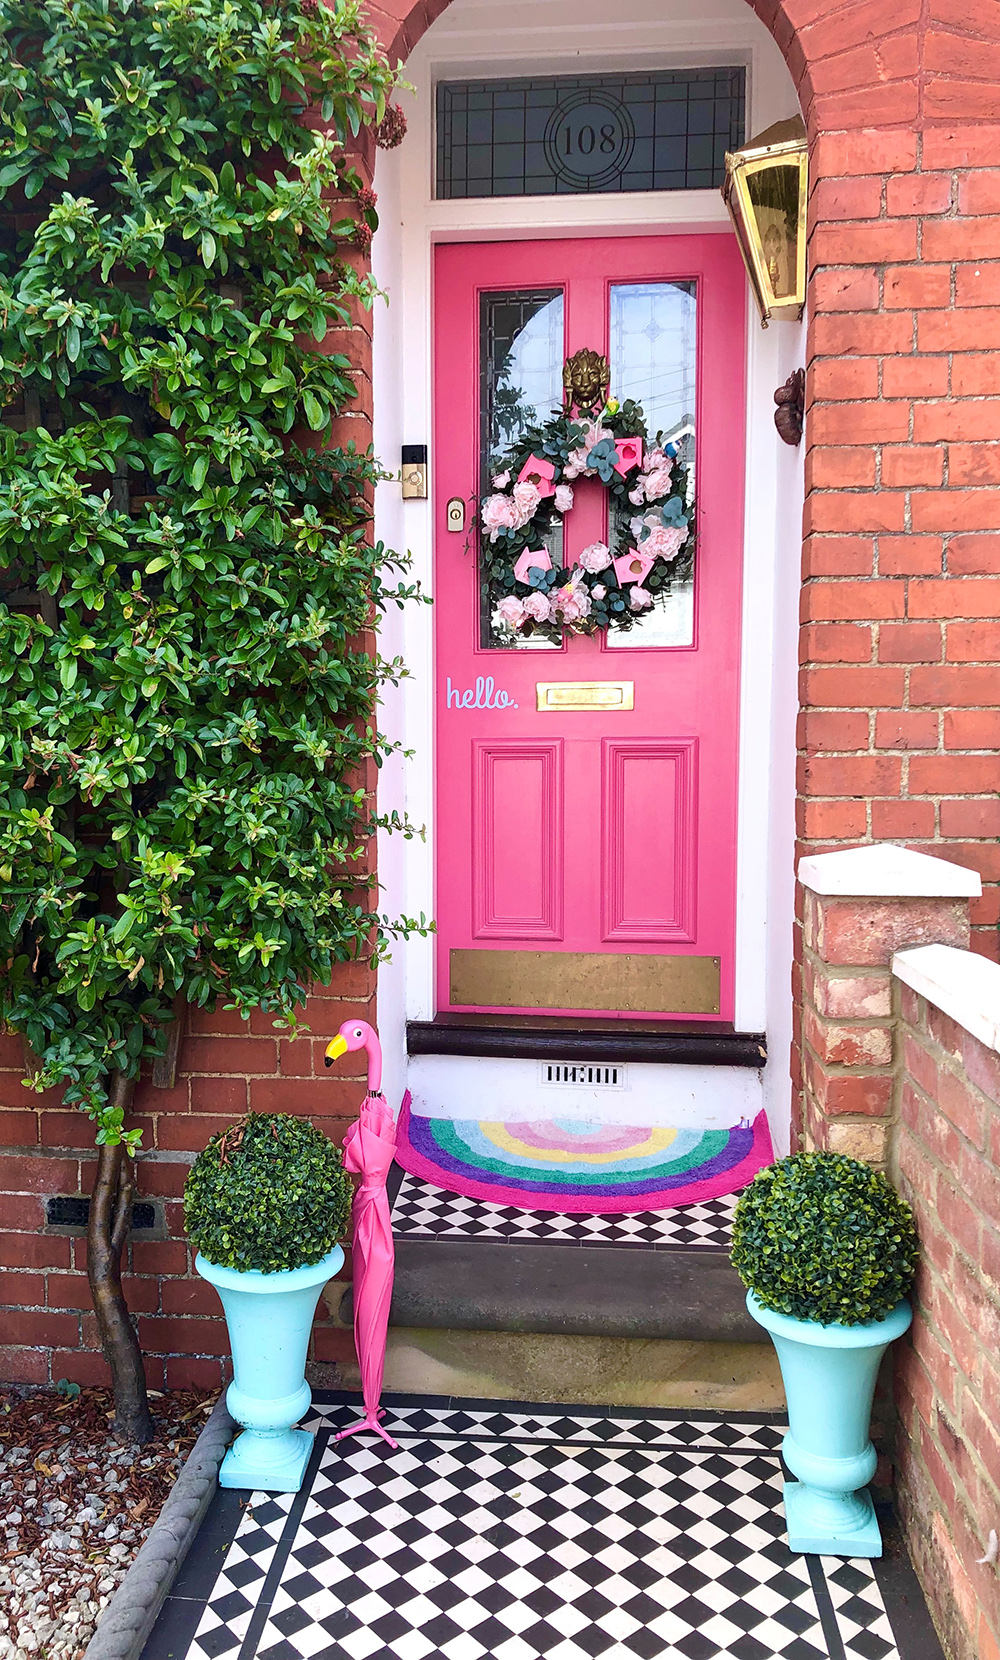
(269, 1193)
(827, 1238)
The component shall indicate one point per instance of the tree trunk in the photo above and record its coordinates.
(107, 1231)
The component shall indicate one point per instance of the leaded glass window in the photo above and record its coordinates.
(653, 344)
(522, 350)
(566, 134)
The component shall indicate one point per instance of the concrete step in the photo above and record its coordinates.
(587, 1324)
(682, 1295)
(586, 1371)
(655, 1318)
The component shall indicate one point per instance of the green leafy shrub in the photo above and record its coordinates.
(187, 687)
(268, 1193)
(188, 583)
(827, 1238)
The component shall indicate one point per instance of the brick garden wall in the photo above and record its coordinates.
(947, 1149)
(227, 1068)
(848, 1053)
(891, 1079)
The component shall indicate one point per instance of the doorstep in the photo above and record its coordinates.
(520, 1531)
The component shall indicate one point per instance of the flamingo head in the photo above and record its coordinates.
(354, 1034)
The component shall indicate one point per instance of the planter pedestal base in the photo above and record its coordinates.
(831, 1526)
(273, 1463)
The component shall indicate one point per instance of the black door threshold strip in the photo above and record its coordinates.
(586, 1041)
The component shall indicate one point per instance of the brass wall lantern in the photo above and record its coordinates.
(765, 190)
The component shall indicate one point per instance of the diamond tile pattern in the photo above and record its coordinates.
(423, 1211)
(229, 1609)
(707, 1432)
(540, 1534)
(861, 1617)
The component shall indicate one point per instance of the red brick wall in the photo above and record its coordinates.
(899, 692)
(848, 1046)
(227, 1068)
(947, 1148)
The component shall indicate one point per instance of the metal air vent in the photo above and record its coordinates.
(582, 1074)
(73, 1211)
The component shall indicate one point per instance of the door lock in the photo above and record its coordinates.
(455, 514)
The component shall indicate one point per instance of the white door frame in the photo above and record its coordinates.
(411, 224)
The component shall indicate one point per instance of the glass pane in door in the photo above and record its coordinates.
(652, 357)
(521, 363)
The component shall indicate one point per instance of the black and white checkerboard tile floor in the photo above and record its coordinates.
(503, 1532)
(422, 1211)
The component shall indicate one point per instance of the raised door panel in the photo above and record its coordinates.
(649, 851)
(517, 867)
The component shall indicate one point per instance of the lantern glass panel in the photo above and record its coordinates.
(774, 196)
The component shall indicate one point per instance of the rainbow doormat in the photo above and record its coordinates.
(564, 1164)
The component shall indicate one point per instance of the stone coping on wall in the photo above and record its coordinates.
(884, 870)
(961, 984)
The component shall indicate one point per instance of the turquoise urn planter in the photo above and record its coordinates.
(269, 1317)
(829, 1374)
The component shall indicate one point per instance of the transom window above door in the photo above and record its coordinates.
(651, 333)
(570, 134)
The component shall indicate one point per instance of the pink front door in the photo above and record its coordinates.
(586, 855)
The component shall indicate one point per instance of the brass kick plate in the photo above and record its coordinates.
(630, 982)
(585, 694)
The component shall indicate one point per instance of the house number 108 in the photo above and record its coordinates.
(587, 139)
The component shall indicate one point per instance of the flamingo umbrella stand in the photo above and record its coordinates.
(369, 1149)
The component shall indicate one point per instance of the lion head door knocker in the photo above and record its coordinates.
(586, 378)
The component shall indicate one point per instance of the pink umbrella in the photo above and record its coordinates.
(369, 1147)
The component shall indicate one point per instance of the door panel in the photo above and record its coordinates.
(648, 854)
(518, 841)
(597, 844)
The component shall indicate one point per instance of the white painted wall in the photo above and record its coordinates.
(485, 38)
(392, 525)
(685, 1097)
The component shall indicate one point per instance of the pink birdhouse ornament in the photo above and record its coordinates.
(538, 559)
(632, 567)
(540, 473)
(629, 454)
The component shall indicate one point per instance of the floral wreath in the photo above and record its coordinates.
(650, 510)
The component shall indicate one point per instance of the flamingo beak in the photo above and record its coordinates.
(335, 1049)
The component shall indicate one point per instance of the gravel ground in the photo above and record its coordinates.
(75, 1506)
